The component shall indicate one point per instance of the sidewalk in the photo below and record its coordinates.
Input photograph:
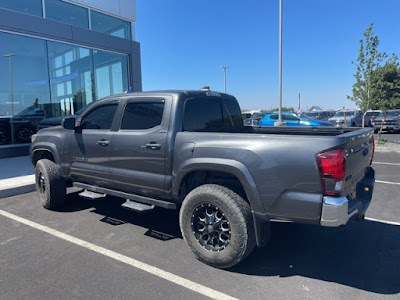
(16, 176)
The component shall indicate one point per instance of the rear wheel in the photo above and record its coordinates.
(217, 225)
(50, 184)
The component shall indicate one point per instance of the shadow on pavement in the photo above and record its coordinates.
(162, 224)
(363, 255)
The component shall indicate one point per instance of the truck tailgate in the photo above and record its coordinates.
(359, 150)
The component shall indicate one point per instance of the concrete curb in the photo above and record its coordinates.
(17, 185)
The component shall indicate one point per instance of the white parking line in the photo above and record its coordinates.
(198, 288)
(383, 221)
(385, 163)
(387, 182)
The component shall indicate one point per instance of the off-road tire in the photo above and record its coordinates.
(235, 211)
(50, 184)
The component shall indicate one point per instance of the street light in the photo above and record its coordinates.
(279, 121)
(225, 67)
(10, 56)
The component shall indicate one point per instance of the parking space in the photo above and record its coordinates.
(360, 260)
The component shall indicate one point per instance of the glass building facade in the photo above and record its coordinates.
(44, 76)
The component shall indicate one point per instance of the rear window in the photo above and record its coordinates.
(211, 114)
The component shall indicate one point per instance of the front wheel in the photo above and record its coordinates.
(50, 184)
(217, 225)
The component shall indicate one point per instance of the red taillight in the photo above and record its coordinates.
(332, 169)
(373, 149)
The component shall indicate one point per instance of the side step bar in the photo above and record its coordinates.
(136, 206)
(133, 197)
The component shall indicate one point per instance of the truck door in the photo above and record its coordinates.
(138, 148)
(88, 147)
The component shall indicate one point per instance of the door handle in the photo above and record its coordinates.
(153, 146)
(103, 143)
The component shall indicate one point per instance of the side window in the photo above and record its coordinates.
(274, 117)
(100, 118)
(202, 114)
(142, 115)
(231, 114)
(291, 118)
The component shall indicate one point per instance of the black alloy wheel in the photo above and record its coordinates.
(210, 227)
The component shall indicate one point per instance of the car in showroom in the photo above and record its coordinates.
(291, 119)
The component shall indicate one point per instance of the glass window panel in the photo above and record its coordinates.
(24, 84)
(31, 7)
(83, 52)
(111, 73)
(100, 118)
(75, 71)
(110, 25)
(202, 115)
(68, 13)
(142, 116)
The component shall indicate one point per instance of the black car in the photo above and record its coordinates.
(55, 121)
(24, 124)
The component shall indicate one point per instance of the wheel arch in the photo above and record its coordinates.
(235, 169)
(44, 151)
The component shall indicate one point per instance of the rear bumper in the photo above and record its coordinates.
(387, 127)
(337, 211)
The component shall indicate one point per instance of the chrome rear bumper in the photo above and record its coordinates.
(335, 211)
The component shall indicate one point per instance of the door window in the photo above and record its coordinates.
(100, 118)
(139, 116)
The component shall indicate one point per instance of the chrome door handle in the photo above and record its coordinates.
(153, 146)
(103, 143)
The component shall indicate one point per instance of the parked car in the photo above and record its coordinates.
(291, 119)
(322, 115)
(56, 121)
(392, 121)
(369, 116)
(353, 118)
(24, 123)
(254, 120)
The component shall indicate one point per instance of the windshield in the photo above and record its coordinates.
(303, 116)
(391, 113)
(341, 114)
(312, 115)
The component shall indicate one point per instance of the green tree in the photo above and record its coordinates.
(385, 87)
(368, 61)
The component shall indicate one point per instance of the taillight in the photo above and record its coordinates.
(332, 170)
(373, 149)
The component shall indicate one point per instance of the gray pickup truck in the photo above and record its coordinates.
(189, 150)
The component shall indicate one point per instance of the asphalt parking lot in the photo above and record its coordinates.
(94, 249)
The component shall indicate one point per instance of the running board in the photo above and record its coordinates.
(91, 195)
(136, 206)
(133, 197)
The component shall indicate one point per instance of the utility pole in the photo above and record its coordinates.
(10, 56)
(279, 122)
(225, 67)
(299, 104)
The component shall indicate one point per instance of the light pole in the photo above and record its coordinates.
(10, 56)
(279, 121)
(225, 67)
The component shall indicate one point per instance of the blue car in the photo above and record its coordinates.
(291, 119)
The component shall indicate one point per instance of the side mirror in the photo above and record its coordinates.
(68, 123)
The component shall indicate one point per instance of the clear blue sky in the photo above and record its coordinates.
(184, 43)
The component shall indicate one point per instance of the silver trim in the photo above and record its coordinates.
(335, 211)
